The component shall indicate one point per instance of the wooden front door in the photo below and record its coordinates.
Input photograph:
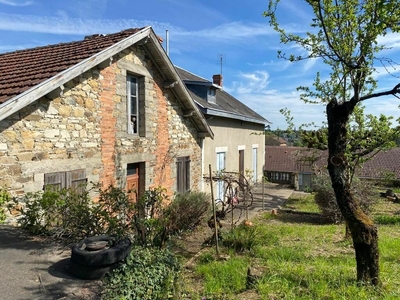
(132, 180)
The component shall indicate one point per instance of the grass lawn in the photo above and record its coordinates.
(294, 260)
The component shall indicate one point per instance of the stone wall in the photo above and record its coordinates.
(85, 126)
(58, 132)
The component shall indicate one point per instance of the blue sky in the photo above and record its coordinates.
(200, 33)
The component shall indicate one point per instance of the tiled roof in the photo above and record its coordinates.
(292, 159)
(224, 101)
(288, 159)
(21, 70)
(382, 164)
(188, 76)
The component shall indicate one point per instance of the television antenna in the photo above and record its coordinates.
(221, 60)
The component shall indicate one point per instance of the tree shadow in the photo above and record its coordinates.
(37, 268)
(291, 216)
(16, 238)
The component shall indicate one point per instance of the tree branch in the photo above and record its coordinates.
(328, 40)
(394, 91)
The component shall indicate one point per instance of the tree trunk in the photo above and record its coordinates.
(363, 232)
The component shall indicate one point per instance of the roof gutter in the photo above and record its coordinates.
(222, 113)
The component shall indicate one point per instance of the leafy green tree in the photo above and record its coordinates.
(344, 35)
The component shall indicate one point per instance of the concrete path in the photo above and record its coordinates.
(266, 198)
(32, 269)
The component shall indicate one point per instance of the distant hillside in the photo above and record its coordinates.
(282, 138)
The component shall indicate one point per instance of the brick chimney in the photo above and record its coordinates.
(217, 79)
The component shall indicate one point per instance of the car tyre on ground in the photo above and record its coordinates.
(116, 251)
(91, 263)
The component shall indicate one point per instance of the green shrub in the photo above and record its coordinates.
(186, 211)
(149, 273)
(155, 222)
(41, 212)
(326, 199)
(66, 214)
(241, 238)
(4, 198)
(148, 218)
(71, 214)
(114, 211)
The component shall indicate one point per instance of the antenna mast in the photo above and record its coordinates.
(221, 61)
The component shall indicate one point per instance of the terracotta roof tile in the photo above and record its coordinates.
(23, 69)
(382, 164)
(288, 159)
(292, 159)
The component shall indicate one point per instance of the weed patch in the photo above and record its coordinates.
(148, 274)
(224, 277)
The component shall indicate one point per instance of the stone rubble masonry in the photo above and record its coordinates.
(85, 126)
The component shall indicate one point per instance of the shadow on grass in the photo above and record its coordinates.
(292, 216)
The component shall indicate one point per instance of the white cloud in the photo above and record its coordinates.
(390, 40)
(232, 31)
(16, 2)
(269, 103)
(71, 26)
(255, 82)
(7, 48)
(309, 63)
(386, 70)
(299, 10)
(63, 24)
(254, 90)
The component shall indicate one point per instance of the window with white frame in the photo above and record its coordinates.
(133, 108)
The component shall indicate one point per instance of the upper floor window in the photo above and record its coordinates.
(133, 104)
(211, 92)
(211, 95)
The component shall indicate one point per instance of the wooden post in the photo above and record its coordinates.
(263, 180)
(214, 212)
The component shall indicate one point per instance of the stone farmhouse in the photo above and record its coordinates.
(238, 144)
(108, 109)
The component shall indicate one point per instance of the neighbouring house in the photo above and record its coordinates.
(297, 165)
(385, 165)
(293, 165)
(273, 140)
(108, 109)
(238, 144)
